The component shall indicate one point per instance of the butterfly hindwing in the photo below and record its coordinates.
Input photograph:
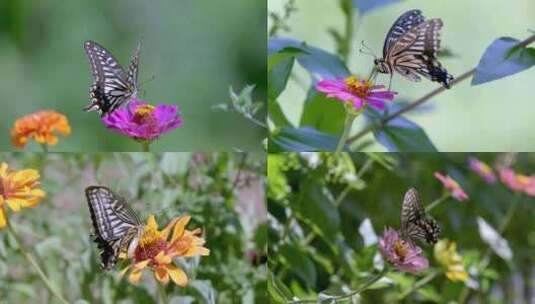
(112, 86)
(115, 224)
(415, 224)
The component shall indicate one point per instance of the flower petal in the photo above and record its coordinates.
(177, 275)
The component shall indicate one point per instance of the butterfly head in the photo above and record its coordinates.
(382, 66)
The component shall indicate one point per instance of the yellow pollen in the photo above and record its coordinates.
(523, 180)
(144, 110)
(358, 87)
(150, 236)
(401, 249)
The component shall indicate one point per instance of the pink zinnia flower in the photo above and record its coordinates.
(357, 92)
(482, 169)
(400, 253)
(449, 183)
(518, 182)
(142, 121)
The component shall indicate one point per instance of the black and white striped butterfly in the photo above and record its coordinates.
(415, 223)
(112, 86)
(116, 226)
(411, 48)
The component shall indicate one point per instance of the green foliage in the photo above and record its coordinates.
(316, 241)
(228, 208)
(504, 57)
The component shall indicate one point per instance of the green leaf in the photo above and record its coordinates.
(316, 206)
(400, 134)
(503, 58)
(276, 115)
(300, 140)
(324, 114)
(316, 61)
(299, 263)
(278, 292)
(365, 6)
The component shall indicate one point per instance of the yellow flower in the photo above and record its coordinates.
(18, 189)
(42, 126)
(446, 254)
(156, 250)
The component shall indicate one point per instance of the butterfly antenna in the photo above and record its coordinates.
(367, 50)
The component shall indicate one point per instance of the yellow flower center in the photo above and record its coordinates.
(150, 244)
(401, 249)
(358, 87)
(523, 180)
(143, 113)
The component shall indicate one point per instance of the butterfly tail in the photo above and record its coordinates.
(441, 75)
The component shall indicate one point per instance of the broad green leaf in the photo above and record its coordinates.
(503, 58)
(324, 114)
(299, 263)
(365, 6)
(301, 140)
(319, 63)
(276, 115)
(277, 291)
(316, 205)
(400, 134)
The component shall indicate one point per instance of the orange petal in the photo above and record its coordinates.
(135, 276)
(180, 227)
(3, 170)
(15, 204)
(167, 229)
(162, 258)
(161, 275)
(3, 220)
(141, 265)
(151, 223)
(177, 275)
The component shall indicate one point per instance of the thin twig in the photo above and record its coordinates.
(423, 99)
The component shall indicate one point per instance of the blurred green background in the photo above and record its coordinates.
(318, 201)
(228, 206)
(492, 117)
(195, 50)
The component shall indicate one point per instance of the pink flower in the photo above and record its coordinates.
(482, 169)
(143, 121)
(518, 182)
(357, 92)
(400, 253)
(449, 183)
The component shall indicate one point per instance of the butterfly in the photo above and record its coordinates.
(112, 85)
(116, 226)
(411, 47)
(415, 223)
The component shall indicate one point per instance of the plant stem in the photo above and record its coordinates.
(486, 257)
(419, 284)
(345, 43)
(347, 127)
(44, 146)
(423, 99)
(145, 146)
(162, 295)
(438, 201)
(362, 288)
(36, 266)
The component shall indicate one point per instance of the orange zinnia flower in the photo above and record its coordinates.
(41, 126)
(156, 251)
(18, 189)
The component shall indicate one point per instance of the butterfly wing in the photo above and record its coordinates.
(411, 48)
(134, 68)
(115, 224)
(111, 87)
(402, 25)
(415, 225)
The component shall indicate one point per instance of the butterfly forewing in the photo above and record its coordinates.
(415, 224)
(112, 86)
(115, 224)
(403, 24)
